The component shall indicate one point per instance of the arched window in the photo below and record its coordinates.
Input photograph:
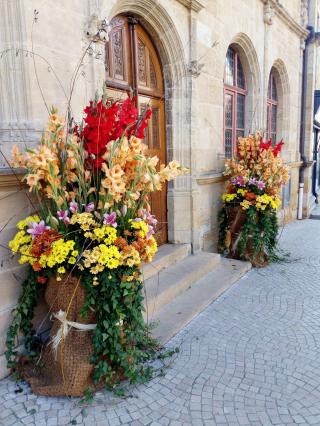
(234, 101)
(272, 108)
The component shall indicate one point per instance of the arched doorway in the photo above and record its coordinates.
(132, 64)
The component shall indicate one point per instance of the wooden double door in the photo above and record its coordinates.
(132, 64)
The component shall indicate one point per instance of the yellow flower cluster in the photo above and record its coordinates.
(60, 251)
(106, 233)
(151, 249)
(229, 197)
(242, 192)
(266, 200)
(26, 256)
(85, 220)
(245, 204)
(141, 227)
(131, 257)
(20, 239)
(25, 222)
(100, 257)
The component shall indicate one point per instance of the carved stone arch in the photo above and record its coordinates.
(283, 90)
(249, 60)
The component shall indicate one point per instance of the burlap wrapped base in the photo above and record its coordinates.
(68, 371)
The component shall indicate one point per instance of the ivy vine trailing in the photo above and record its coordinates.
(253, 238)
(22, 321)
(121, 341)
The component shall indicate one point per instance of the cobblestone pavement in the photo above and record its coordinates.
(251, 358)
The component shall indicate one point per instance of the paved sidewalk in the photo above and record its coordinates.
(251, 358)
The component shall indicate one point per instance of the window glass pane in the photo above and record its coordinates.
(228, 110)
(230, 68)
(240, 111)
(274, 119)
(274, 89)
(228, 143)
(240, 77)
(268, 122)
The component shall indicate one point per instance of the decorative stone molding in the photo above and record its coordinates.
(196, 5)
(195, 68)
(294, 164)
(97, 30)
(304, 13)
(210, 178)
(268, 13)
(283, 14)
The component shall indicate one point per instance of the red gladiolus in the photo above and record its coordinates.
(265, 146)
(105, 123)
(277, 148)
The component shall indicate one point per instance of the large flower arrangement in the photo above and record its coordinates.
(92, 183)
(248, 220)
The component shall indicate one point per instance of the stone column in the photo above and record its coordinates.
(183, 198)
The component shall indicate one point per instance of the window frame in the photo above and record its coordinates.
(234, 91)
(272, 103)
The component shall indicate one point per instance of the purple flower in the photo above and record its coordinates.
(110, 219)
(63, 215)
(260, 184)
(150, 232)
(148, 217)
(36, 228)
(252, 181)
(89, 207)
(74, 207)
(239, 180)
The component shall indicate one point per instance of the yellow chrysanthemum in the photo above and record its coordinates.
(25, 222)
(229, 197)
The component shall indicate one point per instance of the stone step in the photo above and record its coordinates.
(180, 311)
(167, 255)
(162, 288)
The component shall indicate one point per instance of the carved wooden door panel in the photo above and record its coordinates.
(132, 64)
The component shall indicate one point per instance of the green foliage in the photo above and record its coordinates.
(22, 321)
(121, 342)
(256, 240)
(223, 227)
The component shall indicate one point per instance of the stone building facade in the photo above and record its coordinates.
(199, 45)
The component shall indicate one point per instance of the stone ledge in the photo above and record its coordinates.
(11, 179)
(210, 177)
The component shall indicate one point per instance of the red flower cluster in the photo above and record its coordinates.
(105, 123)
(268, 145)
(42, 245)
